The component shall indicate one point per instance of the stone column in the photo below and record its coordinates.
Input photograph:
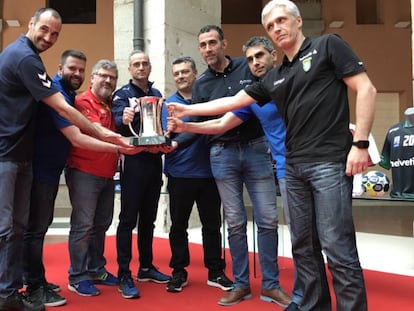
(170, 31)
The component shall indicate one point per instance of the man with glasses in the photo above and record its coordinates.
(141, 180)
(89, 177)
(54, 137)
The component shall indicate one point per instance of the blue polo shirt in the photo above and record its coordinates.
(24, 82)
(52, 148)
(192, 161)
(273, 127)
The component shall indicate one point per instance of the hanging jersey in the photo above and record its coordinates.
(398, 155)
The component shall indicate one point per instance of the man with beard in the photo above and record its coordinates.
(310, 88)
(89, 177)
(25, 83)
(54, 137)
(239, 157)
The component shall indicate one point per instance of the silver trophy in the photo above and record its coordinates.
(150, 129)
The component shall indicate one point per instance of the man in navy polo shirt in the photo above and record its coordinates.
(310, 90)
(261, 57)
(239, 157)
(24, 83)
(54, 138)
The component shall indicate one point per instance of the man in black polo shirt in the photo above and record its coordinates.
(239, 156)
(310, 89)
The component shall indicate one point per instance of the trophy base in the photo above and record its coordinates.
(149, 141)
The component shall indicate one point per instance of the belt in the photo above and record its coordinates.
(240, 142)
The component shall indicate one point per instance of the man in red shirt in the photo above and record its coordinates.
(89, 178)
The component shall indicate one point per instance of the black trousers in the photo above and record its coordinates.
(184, 192)
(141, 183)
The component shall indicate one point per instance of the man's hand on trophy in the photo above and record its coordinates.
(132, 149)
(176, 110)
(175, 125)
(128, 115)
(126, 148)
(174, 144)
(164, 148)
(109, 136)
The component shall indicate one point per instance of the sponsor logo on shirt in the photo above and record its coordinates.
(314, 52)
(44, 79)
(402, 163)
(396, 142)
(244, 82)
(277, 82)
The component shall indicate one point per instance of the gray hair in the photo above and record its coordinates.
(105, 64)
(289, 5)
(137, 51)
(255, 41)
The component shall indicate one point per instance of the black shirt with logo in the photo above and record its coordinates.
(211, 85)
(312, 98)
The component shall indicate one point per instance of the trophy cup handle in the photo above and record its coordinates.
(132, 130)
(133, 102)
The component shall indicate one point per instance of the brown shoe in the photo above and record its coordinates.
(276, 295)
(235, 296)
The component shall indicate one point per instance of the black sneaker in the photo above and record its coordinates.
(20, 303)
(292, 307)
(220, 280)
(54, 287)
(178, 281)
(45, 295)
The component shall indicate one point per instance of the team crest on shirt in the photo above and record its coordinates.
(85, 112)
(307, 63)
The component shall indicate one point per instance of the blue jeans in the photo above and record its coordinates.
(42, 204)
(249, 163)
(320, 209)
(15, 183)
(92, 200)
(297, 291)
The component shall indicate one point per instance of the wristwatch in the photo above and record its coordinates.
(361, 144)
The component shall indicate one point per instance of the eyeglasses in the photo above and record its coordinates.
(139, 64)
(105, 76)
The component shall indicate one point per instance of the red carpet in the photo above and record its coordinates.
(385, 291)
